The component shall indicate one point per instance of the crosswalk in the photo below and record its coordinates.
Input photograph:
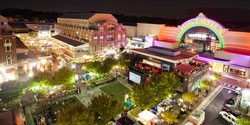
(229, 86)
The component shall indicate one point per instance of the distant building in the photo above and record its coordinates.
(14, 55)
(44, 31)
(18, 27)
(8, 57)
(101, 33)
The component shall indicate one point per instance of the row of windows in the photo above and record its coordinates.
(110, 46)
(110, 37)
(85, 49)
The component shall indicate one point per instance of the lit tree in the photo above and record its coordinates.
(42, 79)
(101, 67)
(216, 77)
(189, 97)
(123, 62)
(206, 84)
(105, 107)
(243, 121)
(169, 117)
(64, 76)
(164, 85)
(142, 96)
(77, 115)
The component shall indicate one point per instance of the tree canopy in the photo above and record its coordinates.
(206, 84)
(77, 114)
(142, 96)
(164, 85)
(105, 107)
(123, 62)
(216, 77)
(169, 117)
(64, 76)
(189, 97)
(101, 67)
(243, 121)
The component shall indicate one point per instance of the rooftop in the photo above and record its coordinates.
(146, 52)
(77, 15)
(17, 25)
(20, 44)
(68, 40)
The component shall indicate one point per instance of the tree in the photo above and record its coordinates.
(189, 97)
(216, 77)
(164, 85)
(169, 117)
(77, 114)
(64, 76)
(243, 121)
(206, 84)
(123, 62)
(101, 67)
(142, 96)
(42, 79)
(105, 107)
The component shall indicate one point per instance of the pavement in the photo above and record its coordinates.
(205, 102)
(213, 109)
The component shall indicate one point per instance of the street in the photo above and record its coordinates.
(213, 109)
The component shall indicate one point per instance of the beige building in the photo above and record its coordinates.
(99, 33)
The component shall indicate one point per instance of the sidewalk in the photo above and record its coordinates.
(204, 103)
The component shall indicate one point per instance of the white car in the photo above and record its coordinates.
(228, 117)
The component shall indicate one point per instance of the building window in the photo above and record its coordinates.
(95, 38)
(101, 47)
(119, 36)
(112, 26)
(110, 37)
(124, 36)
(101, 28)
(78, 50)
(8, 48)
(85, 49)
(7, 41)
(101, 37)
(8, 59)
(95, 48)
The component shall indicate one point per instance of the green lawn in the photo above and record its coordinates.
(117, 89)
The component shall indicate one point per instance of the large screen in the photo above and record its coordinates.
(134, 77)
(166, 66)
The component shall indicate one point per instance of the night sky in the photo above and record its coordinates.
(169, 8)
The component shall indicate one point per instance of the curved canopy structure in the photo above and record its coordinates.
(202, 21)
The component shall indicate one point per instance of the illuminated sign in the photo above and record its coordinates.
(202, 21)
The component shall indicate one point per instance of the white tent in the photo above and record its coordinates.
(146, 117)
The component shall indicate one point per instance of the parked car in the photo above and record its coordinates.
(229, 110)
(231, 119)
(230, 100)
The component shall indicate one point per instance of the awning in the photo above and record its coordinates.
(10, 70)
(185, 68)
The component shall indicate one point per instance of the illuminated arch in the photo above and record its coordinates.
(202, 21)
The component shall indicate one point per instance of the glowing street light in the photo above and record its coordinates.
(44, 61)
(30, 74)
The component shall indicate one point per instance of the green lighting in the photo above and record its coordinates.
(203, 25)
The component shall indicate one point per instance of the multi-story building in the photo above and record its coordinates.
(7, 52)
(102, 32)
